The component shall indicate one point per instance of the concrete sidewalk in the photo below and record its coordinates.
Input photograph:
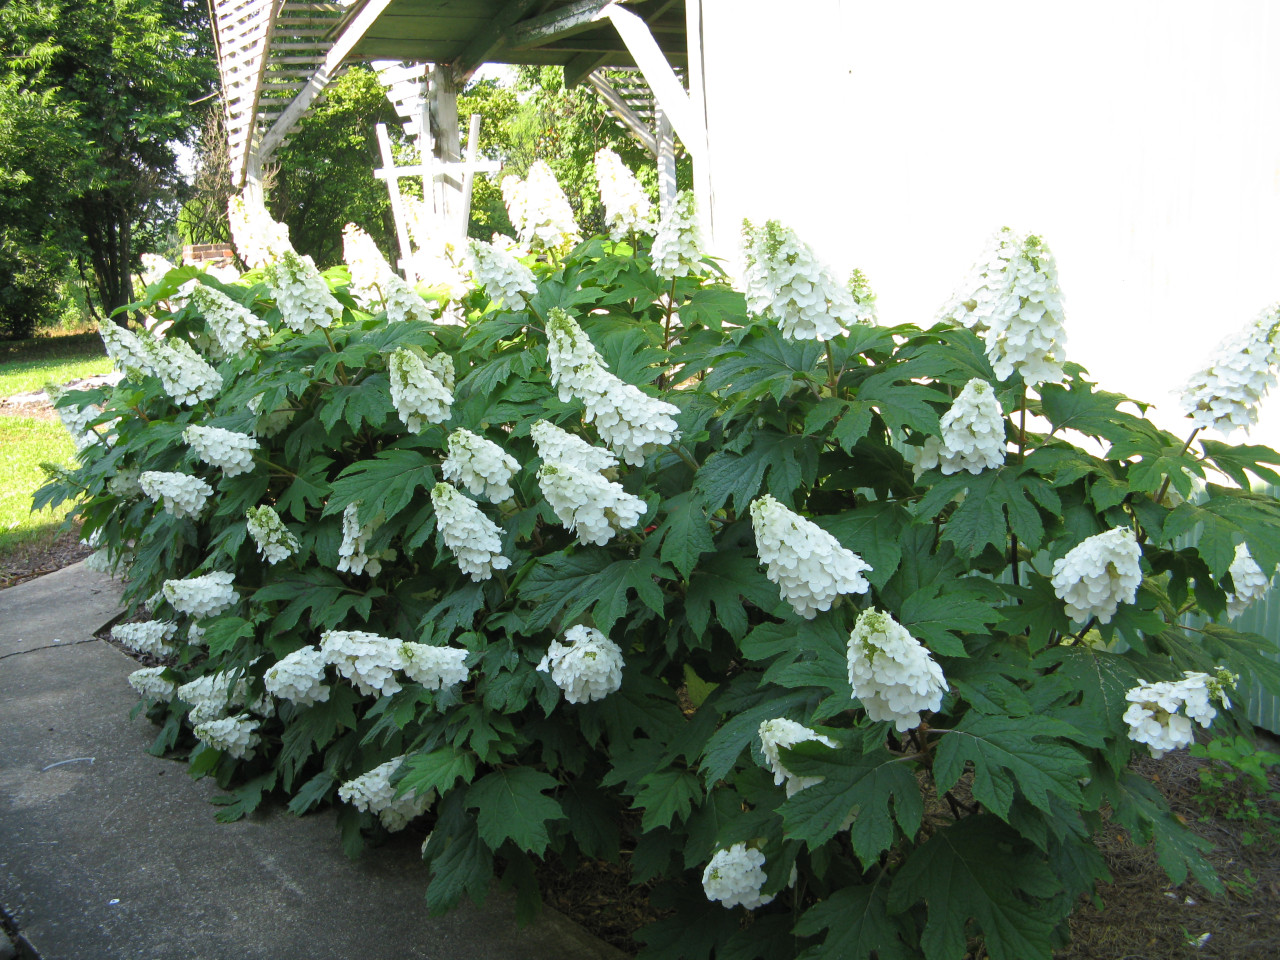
(107, 853)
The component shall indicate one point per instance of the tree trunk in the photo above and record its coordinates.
(106, 226)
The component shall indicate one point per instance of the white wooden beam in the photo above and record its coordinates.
(635, 126)
(666, 161)
(557, 23)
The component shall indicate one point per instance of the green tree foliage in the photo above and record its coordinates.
(109, 88)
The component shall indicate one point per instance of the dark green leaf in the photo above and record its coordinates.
(512, 806)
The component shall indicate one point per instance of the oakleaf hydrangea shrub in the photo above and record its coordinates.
(842, 636)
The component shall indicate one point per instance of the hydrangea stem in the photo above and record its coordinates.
(1164, 487)
(1022, 449)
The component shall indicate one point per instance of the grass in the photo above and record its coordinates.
(24, 443)
(27, 365)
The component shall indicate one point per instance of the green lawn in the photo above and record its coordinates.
(24, 443)
(27, 365)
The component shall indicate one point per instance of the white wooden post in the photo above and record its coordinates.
(666, 139)
(392, 176)
(468, 176)
(445, 133)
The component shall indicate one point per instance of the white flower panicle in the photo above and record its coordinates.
(626, 206)
(472, 537)
(587, 503)
(434, 667)
(677, 244)
(892, 672)
(154, 637)
(368, 660)
(272, 423)
(982, 292)
(230, 452)
(216, 694)
(785, 282)
(372, 792)
(150, 684)
(419, 395)
(154, 268)
(736, 876)
(204, 596)
(1160, 714)
(864, 298)
(75, 417)
(972, 433)
(480, 465)
(275, 542)
(233, 325)
(1226, 394)
(587, 666)
(126, 350)
(539, 210)
(374, 284)
(558, 446)
(1251, 584)
(808, 564)
(351, 552)
(186, 377)
(236, 736)
(298, 677)
(1099, 574)
(783, 733)
(259, 239)
(301, 293)
(183, 495)
(503, 277)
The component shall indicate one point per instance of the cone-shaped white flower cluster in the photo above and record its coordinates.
(781, 732)
(1012, 299)
(259, 239)
(557, 446)
(187, 379)
(75, 417)
(150, 684)
(126, 484)
(808, 564)
(183, 495)
(419, 395)
(864, 298)
(154, 268)
(785, 281)
(677, 245)
(503, 277)
(472, 537)
(892, 672)
(626, 206)
(1160, 714)
(301, 293)
(154, 637)
(1251, 584)
(235, 736)
(587, 503)
(628, 420)
(230, 452)
(272, 423)
(373, 792)
(368, 660)
(480, 465)
(972, 433)
(217, 694)
(275, 542)
(735, 876)
(374, 284)
(233, 325)
(298, 678)
(587, 666)
(202, 597)
(1226, 394)
(126, 350)
(1099, 574)
(351, 553)
(539, 210)
(433, 667)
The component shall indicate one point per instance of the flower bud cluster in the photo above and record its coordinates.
(626, 206)
(1226, 394)
(272, 423)
(587, 666)
(1251, 584)
(374, 283)
(235, 736)
(150, 684)
(539, 210)
(368, 660)
(275, 542)
(351, 552)
(677, 245)
(785, 281)
(1160, 714)
(808, 564)
(558, 446)
(972, 433)
(183, 495)
(472, 537)
(154, 637)
(864, 298)
(233, 325)
(588, 504)
(480, 465)
(735, 876)
(187, 379)
(230, 452)
(372, 792)
(419, 395)
(301, 293)
(503, 277)
(202, 597)
(892, 672)
(434, 667)
(783, 733)
(1099, 574)
(259, 239)
(298, 677)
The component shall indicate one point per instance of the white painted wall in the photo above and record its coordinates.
(1141, 139)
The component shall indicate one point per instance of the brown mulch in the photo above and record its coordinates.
(30, 560)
